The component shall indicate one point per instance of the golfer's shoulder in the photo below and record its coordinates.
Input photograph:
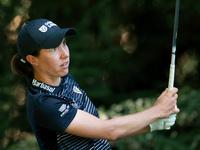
(70, 76)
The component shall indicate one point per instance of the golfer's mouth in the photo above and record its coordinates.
(65, 65)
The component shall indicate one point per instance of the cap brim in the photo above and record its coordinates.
(56, 38)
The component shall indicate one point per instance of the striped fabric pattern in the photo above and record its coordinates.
(71, 93)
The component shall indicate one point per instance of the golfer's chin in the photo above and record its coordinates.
(66, 71)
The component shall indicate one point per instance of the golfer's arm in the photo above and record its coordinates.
(87, 125)
(144, 130)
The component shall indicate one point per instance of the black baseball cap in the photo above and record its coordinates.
(40, 34)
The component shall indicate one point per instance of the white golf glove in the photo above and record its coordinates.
(168, 122)
(163, 124)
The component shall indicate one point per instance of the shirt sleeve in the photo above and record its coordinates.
(53, 113)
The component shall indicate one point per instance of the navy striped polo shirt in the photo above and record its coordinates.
(51, 109)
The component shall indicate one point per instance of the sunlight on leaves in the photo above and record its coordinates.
(128, 39)
(187, 65)
(5, 2)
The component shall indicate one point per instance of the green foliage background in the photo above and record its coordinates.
(120, 57)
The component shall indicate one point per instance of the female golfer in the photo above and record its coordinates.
(60, 113)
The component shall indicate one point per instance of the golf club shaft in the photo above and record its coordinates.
(172, 65)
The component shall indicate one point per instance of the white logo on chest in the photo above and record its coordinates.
(76, 90)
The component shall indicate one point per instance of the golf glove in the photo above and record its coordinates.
(163, 124)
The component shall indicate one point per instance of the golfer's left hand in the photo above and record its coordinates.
(163, 124)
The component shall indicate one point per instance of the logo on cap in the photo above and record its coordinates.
(43, 28)
(48, 24)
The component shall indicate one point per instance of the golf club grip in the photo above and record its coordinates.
(171, 77)
(171, 84)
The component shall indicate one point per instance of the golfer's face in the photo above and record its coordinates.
(54, 62)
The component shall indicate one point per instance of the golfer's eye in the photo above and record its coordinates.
(64, 42)
(54, 49)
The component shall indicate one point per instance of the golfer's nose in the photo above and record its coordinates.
(64, 51)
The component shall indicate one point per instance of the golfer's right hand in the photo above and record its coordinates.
(166, 103)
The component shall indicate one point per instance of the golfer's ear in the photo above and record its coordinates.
(32, 59)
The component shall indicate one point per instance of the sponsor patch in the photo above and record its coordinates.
(62, 108)
(65, 111)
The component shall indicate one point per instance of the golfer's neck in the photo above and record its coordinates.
(53, 81)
